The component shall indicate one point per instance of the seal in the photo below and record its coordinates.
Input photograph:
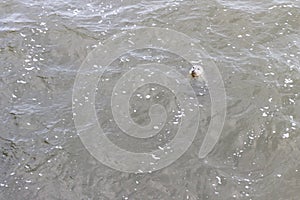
(196, 71)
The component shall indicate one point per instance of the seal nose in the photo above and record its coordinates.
(194, 73)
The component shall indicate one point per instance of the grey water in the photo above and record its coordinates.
(254, 44)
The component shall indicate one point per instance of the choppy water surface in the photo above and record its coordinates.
(256, 46)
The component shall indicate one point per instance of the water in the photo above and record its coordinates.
(256, 47)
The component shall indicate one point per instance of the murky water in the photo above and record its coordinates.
(256, 47)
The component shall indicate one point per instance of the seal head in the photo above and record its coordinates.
(196, 71)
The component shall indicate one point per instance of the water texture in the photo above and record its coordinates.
(256, 46)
